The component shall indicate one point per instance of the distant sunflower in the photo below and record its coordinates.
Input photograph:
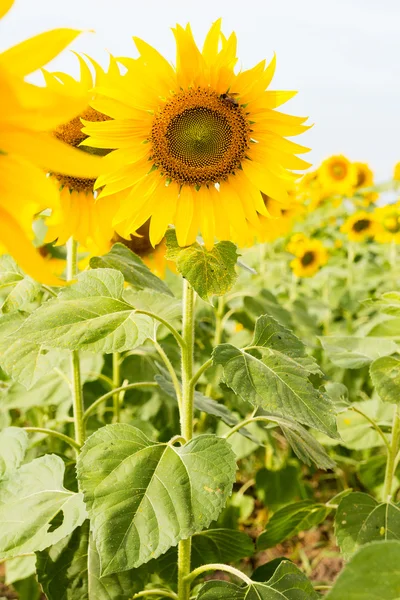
(310, 254)
(396, 172)
(365, 178)
(28, 114)
(80, 215)
(282, 221)
(360, 226)
(338, 175)
(388, 220)
(195, 144)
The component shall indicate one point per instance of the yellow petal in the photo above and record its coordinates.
(5, 6)
(185, 216)
(265, 181)
(37, 51)
(207, 218)
(165, 200)
(210, 46)
(16, 243)
(51, 154)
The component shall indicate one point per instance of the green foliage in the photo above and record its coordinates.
(372, 574)
(32, 498)
(275, 488)
(132, 268)
(16, 289)
(361, 519)
(209, 272)
(274, 375)
(354, 353)
(137, 490)
(288, 583)
(385, 375)
(13, 445)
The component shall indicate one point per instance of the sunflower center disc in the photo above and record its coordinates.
(361, 225)
(199, 137)
(307, 259)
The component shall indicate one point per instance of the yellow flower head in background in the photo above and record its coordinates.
(195, 144)
(80, 216)
(338, 175)
(365, 178)
(28, 114)
(396, 172)
(310, 255)
(388, 221)
(311, 190)
(360, 226)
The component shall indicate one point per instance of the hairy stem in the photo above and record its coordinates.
(391, 458)
(218, 567)
(123, 388)
(116, 380)
(186, 418)
(56, 434)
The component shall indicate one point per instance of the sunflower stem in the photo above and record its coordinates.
(76, 383)
(391, 457)
(186, 418)
(116, 384)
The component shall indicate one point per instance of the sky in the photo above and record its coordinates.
(341, 55)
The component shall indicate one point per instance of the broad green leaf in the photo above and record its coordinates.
(209, 272)
(207, 405)
(30, 500)
(13, 445)
(267, 304)
(372, 574)
(10, 273)
(361, 519)
(28, 588)
(70, 570)
(277, 383)
(290, 520)
(132, 268)
(356, 430)
(356, 352)
(19, 568)
(161, 305)
(89, 315)
(385, 375)
(275, 488)
(16, 289)
(143, 497)
(287, 583)
(389, 303)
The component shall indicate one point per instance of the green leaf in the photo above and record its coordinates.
(385, 375)
(287, 583)
(143, 497)
(207, 405)
(267, 304)
(70, 570)
(19, 568)
(290, 520)
(356, 352)
(28, 588)
(209, 272)
(30, 500)
(89, 315)
(17, 290)
(361, 519)
(356, 431)
(10, 273)
(161, 305)
(13, 445)
(278, 383)
(372, 574)
(132, 268)
(275, 488)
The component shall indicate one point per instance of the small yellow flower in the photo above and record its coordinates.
(195, 144)
(310, 254)
(312, 191)
(28, 115)
(338, 175)
(360, 226)
(365, 178)
(388, 219)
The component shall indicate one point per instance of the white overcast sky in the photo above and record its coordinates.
(342, 56)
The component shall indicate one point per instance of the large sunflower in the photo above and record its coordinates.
(28, 113)
(80, 216)
(195, 144)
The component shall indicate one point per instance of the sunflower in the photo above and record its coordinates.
(311, 190)
(360, 226)
(28, 114)
(388, 220)
(194, 145)
(154, 258)
(338, 175)
(80, 215)
(310, 255)
(396, 172)
(365, 178)
(281, 220)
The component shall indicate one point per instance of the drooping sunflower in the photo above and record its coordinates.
(388, 221)
(310, 255)
(365, 178)
(338, 175)
(80, 215)
(360, 226)
(28, 113)
(196, 144)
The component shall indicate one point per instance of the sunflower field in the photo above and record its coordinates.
(199, 337)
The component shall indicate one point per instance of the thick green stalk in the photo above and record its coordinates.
(76, 383)
(186, 418)
(391, 458)
(116, 384)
